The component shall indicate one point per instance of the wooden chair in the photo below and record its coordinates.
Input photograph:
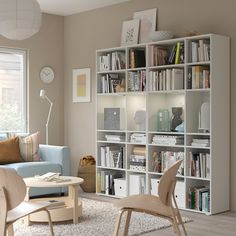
(161, 205)
(12, 205)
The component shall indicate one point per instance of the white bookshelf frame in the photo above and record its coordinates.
(219, 97)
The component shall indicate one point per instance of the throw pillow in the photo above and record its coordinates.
(29, 147)
(9, 151)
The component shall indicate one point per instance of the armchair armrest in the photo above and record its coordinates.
(56, 154)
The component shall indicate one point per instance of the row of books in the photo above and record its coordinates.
(165, 55)
(203, 142)
(136, 80)
(105, 182)
(112, 61)
(168, 140)
(199, 165)
(199, 77)
(112, 156)
(163, 160)
(199, 198)
(168, 79)
(200, 50)
(109, 83)
(137, 58)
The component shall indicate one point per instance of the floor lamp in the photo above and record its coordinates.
(44, 96)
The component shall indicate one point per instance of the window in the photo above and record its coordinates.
(13, 105)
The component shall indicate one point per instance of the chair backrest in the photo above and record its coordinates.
(167, 183)
(14, 187)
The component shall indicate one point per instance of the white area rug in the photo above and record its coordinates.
(98, 219)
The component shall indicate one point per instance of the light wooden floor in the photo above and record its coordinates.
(216, 225)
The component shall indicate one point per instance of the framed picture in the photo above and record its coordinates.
(148, 19)
(130, 31)
(81, 85)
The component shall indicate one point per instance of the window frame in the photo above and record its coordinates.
(24, 53)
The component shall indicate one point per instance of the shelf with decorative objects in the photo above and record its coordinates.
(160, 102)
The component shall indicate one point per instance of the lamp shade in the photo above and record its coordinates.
(19, 19)
(42, 93)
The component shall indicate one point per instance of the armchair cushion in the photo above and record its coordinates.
(29, 147)
(10, 152)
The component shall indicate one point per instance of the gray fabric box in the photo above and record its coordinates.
(113, 118)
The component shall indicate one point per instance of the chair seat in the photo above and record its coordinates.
(24, 209)
(145, 203)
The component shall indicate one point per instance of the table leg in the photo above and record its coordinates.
(73, 196)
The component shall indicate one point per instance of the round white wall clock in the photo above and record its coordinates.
(47, 74)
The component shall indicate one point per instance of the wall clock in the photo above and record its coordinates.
(46, 74)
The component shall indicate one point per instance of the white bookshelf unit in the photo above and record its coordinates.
(138, 89)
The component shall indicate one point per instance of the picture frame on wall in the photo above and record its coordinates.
(148, 22)
(81, 85)
(130, 32)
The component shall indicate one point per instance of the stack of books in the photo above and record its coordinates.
(138, 138)
(137, 160)
(200, 142)
(115, 138)
(168, 140)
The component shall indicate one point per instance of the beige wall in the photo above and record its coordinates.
(101, 28)
(45, 48)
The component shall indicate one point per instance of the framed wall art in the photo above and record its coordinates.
(81, 85)
(130, 31)
(148, 19)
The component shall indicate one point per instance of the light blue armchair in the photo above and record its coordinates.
(54, 159)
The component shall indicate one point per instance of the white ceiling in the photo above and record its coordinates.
(69, 7)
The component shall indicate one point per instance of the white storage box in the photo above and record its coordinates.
(180, 194)
(120, 187)
(154, 186)
(137, 184)
(179, 191)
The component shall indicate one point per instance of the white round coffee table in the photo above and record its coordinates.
(72, 209)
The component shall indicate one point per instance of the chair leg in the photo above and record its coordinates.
(3, 212)
(128, 216)
(3, 229)
(118, 220)
(10, 230)
(176, 226)
(50, 222)
(181, 222)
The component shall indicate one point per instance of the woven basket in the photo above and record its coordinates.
(88, 174)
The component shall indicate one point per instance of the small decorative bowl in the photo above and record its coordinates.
(161, 35)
